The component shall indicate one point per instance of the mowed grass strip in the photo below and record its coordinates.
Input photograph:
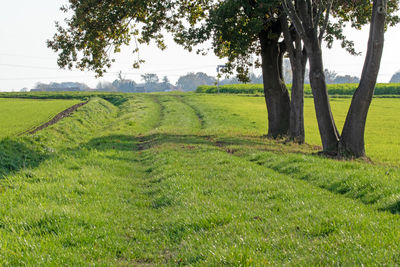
(19, 115)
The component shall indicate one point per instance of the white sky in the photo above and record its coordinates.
(25, 25)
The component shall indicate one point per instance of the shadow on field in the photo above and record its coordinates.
(138, 143)
(393, 208)
(230, 145)
(15, 156)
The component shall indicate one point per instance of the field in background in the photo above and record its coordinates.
(19, 115)
(171, 179)
(346, 90)
(382, 130)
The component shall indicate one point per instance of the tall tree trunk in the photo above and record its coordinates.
(296, 128)
(326, 124)
(276, 93)
(298, 60)
(352, 139)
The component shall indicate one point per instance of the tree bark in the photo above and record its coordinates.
(352, 139)
(296, 128)
(326, 124)
(276, 93)
(298, 60)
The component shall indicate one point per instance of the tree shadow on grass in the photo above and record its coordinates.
(230, 145)
(392, 208)
(16, 155)
(138, 143)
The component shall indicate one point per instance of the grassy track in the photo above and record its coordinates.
(188, 179)
(19, 115)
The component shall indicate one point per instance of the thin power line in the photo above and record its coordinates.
(25, 56)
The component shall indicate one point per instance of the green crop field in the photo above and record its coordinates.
(19, 115)
(189, 179)
(346, 90)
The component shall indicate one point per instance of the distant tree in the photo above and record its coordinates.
(330, 76)
(64, 86)
(395, 78)
(151, 82)
(191, 81)
(40, 86)
(166, 84)
(346, 79)
(150, 78)
(106, 87)
(24, 89)
(165, 80)
(253, 78)
(124, 85)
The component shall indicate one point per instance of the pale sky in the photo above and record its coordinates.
(25, 25)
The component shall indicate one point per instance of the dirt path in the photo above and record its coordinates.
(57, 118)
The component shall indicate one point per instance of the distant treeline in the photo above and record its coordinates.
(151, 83)
(338, 85)
(333, 89)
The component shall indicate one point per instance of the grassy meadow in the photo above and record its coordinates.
(19, 115)
(382, 130)
(171, 179)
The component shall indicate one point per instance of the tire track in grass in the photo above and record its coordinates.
(199, 114)
(179, 118)
(178, 121)
(156, 100)
(143, 142)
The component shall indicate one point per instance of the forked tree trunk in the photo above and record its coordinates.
(306, 21)
(298, 60)
(352, 139)
(276, 93)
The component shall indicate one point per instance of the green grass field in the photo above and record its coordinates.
(163, 179)
(382, 131)
(19, 115)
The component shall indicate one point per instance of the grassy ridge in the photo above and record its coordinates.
(165, 180)
(19, 115)
(333, 89)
